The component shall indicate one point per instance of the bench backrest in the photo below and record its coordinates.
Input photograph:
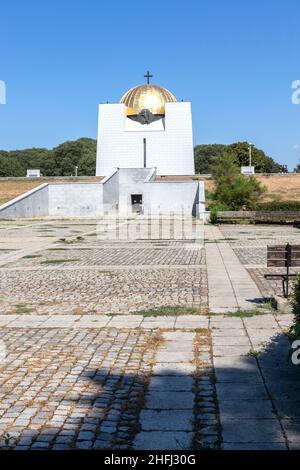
(283, 255)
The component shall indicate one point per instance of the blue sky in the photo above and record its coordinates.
(234, 60)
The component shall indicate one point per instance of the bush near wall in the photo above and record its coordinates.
(295, 301)
(278, 206)
(255, 217)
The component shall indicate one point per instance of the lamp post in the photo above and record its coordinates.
(250, 154)
(76, 168)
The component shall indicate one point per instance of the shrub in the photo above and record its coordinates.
(213, 217)
(237, 192)
(295, 301)
(278, 206)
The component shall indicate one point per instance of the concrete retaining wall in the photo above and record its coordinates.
(76, 199)
(110, 189)
(177, 197)
(34, 203)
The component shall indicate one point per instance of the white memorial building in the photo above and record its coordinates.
(145, 164)
(149, 128)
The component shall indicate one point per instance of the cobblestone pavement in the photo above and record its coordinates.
(250, 245)
(72, 376)
(72, 270)
(204, 382)
(65, 388)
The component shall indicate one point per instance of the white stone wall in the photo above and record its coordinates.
(34, 203)
(169, 141)
(131, 181)
(75, 199)
(178, 197)
(110, 190)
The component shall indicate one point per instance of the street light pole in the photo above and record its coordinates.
(250, 154)
(76, 168)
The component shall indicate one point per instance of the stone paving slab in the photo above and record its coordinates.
(127, 321)
(240, 340)
(229, 284)
(237, 375)
(159, 322)
(192, 321)
(169, 403)
(175, 383)
(254, 446)
(227, 332)
(246, 409)
(166, 356)
(230, 363)
(169, 400)
(288, 408)
(241, 391)
(218, 321)
(7, 319)
(61, 321)
(158, 440)
(252, 431)
(225, 351)
(92, 321)
(166, 420)
(27, 321)
(175, 369)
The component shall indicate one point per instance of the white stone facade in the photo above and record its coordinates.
(169, 141)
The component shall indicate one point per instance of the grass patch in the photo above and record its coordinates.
(31, 256)
(253, 353)
(22, 308)
(59, 261)
(246, 313)
(168, 311)
(58, 249)
(263, 309)
(4, 200)
(70, 241)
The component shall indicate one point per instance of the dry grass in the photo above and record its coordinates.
(9, 189)
(283, 187)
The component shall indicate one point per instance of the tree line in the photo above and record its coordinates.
(62, 160)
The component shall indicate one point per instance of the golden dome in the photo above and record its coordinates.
(152, 97)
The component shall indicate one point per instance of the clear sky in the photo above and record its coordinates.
(234, 60)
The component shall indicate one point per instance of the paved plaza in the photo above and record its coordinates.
(92, 358)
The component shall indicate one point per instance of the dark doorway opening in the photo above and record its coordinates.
(137, 202)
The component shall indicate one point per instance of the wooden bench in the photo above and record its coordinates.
(283, 256)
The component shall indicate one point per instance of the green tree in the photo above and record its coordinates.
(74, 153)
(225, 165)
(238, 192)
(206, 156)
(297, 168)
